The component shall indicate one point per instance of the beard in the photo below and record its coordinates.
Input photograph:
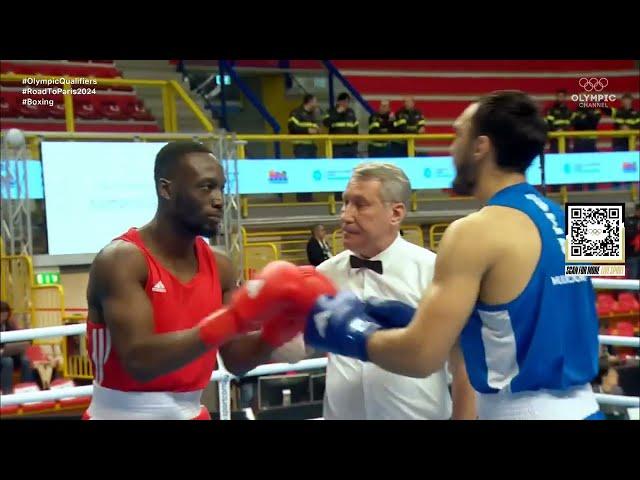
(466, 178)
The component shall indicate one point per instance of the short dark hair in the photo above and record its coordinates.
(343, 96)
(5, 307)
(562, 90)
(315, 228)
(169, 156)
(307, 98)
(512, 120)
(627, 95)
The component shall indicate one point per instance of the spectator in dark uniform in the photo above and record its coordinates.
(625, 118)
(302, 121)
(317, 248)
(341, 120)
(558, 117)
(381, 122)
(585, 119)
(409, 120)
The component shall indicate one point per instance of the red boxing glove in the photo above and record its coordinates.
(271, 293)
(283, 328)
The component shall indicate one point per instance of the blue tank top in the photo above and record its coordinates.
(547, 337)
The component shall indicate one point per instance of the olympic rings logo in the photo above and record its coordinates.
(593, 84)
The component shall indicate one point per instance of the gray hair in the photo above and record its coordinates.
(396, 186)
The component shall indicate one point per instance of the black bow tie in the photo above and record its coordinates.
(375, 265)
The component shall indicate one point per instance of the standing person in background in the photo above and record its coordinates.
(317, 248)
(409, 120)
(585, 119)
(381, 123)
(302, 121)
(625, 118)
(558, 117)
(341, 120)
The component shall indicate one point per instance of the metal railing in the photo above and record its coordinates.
(169, 90)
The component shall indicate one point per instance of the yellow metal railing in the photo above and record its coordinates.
(169, 90)
(435, 234)
(16, 280)
(326, 139)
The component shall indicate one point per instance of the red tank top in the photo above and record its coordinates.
(176, 306)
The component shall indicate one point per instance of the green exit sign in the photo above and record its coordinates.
(49, 278)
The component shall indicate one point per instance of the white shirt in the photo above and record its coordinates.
(357, 390)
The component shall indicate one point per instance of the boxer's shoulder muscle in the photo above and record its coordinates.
(117, 261)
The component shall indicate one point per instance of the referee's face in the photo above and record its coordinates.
(367, 220)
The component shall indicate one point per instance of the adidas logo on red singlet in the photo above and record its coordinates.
(159, 287)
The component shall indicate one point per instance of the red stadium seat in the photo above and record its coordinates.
(627, 303)
(33, 111)
(7, 108)
(57, 110)
(137, 111)
(87, 110)
(603, 309)
(112, 110)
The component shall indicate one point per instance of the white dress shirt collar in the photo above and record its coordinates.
(387, 253)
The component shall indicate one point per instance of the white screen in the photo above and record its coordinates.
(95, 191)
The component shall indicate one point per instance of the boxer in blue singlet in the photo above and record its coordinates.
(529, 334)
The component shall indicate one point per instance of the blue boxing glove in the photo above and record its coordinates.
(389, 313)
(340, 325)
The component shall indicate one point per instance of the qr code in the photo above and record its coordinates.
(595, 233)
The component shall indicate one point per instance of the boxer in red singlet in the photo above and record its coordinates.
(161, 301)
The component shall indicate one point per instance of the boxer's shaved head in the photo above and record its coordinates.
(189, 183)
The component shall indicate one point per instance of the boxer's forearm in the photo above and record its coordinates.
(158, 355)
(398, 351)
(245, 353)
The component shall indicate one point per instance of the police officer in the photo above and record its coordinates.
(302, 121)
(625, 118)
(558, 117)
(381, 123)
(341, 120)
(409, 120)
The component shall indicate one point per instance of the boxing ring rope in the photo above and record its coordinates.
(224, 378)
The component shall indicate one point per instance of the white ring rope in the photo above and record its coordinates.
(270, 369)
(81, 329)
(218, 375)
(611, 284)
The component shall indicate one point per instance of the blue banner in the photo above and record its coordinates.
(330, 175)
